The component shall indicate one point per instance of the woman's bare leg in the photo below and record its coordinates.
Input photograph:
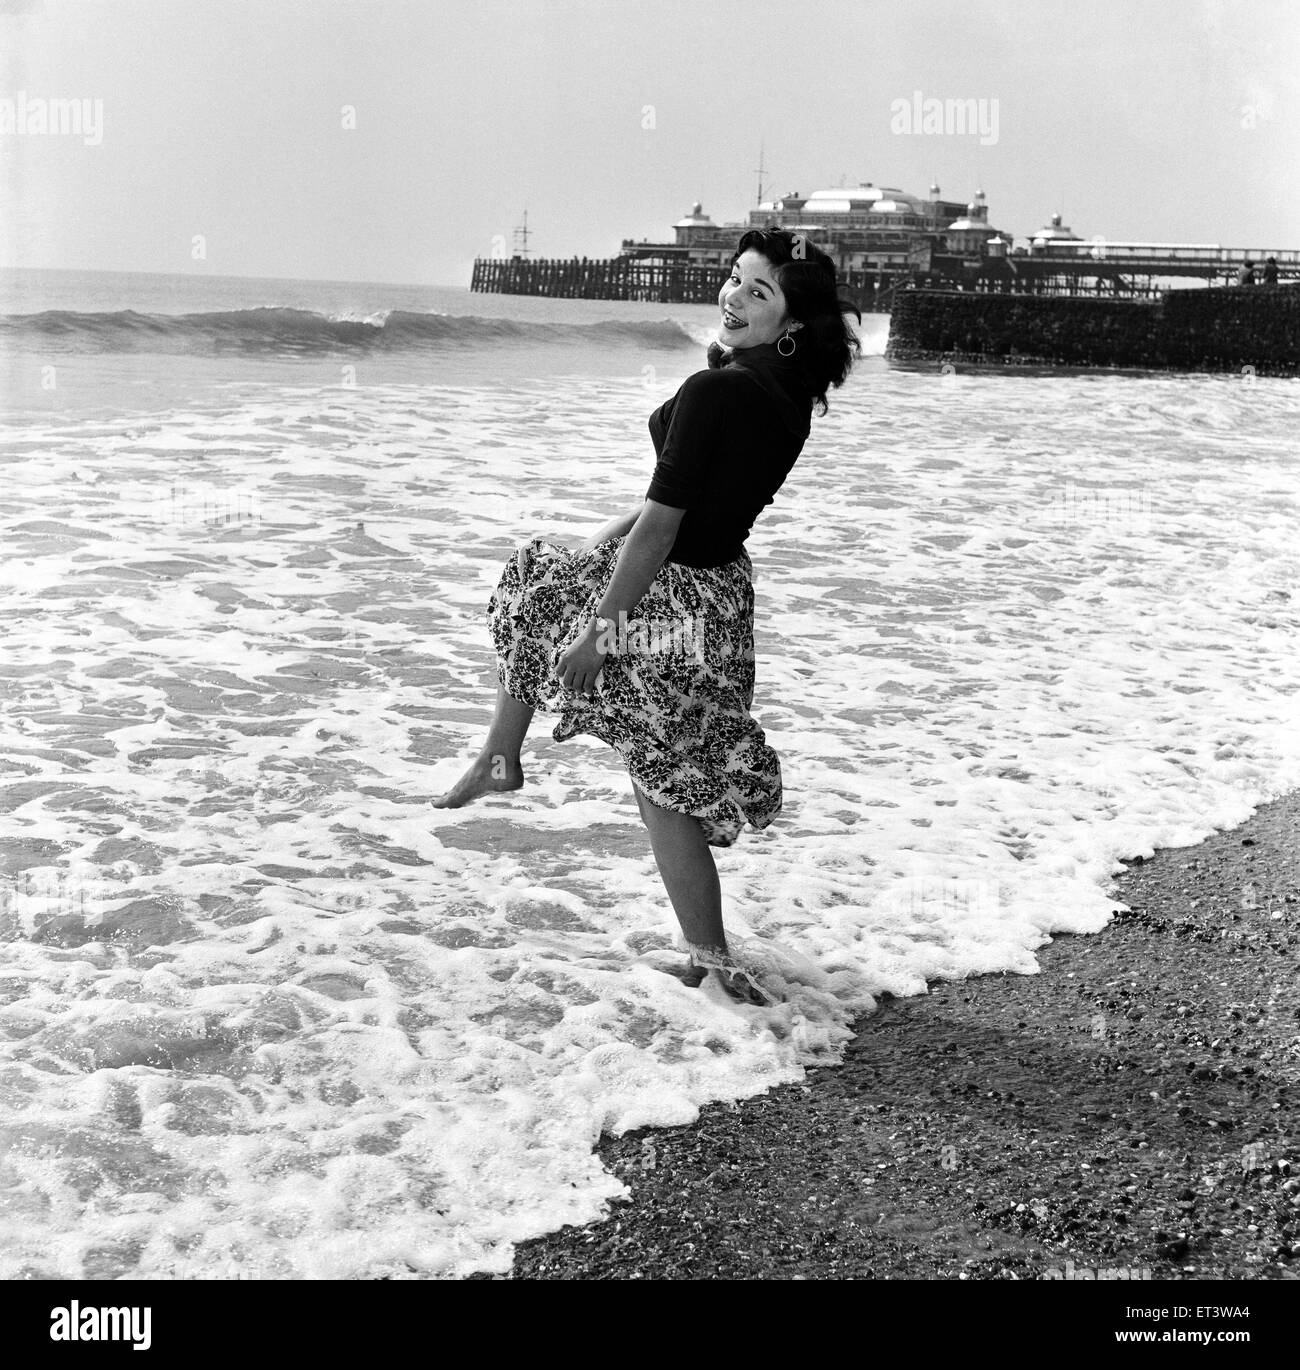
(497, 767)
(690, 876)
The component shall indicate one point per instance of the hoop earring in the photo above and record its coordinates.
(788, 339)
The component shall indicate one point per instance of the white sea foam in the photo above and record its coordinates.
(266, 1013)
(376, 317)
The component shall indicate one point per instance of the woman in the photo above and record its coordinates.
(643, 637)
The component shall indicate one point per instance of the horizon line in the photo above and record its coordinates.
(240, 276)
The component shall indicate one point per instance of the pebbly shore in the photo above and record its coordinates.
(1130, 1112)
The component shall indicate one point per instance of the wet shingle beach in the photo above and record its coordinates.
(1130, 1110)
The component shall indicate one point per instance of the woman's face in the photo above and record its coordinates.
(752, 304)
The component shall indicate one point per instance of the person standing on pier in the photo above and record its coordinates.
(1270, 271)
(1246, 273)
(643, 636)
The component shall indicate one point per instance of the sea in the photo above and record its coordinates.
(265, 1013)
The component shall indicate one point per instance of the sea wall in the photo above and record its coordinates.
(1223, 329)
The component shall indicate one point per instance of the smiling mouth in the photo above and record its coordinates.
(731, 321)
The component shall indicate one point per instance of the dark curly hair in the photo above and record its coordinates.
(825, 345)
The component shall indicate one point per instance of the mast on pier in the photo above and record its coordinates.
(520, 248)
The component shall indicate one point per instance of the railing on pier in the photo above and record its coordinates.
(1194, 254)
(613, 278)
(1209, 261)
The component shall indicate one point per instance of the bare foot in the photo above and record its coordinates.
(489, 774)
(741, 985)
(688, 972)
(738, 982)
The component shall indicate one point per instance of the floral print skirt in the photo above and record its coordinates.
(673, 697)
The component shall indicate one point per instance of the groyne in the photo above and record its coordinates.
(1252, 329)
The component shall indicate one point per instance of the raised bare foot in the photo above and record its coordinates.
(489, 774)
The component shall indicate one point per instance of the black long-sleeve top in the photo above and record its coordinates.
(725, 443)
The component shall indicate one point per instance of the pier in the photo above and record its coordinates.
(882, 240)
(1073, 269)
(612, 278)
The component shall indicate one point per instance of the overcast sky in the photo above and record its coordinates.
(1159, 120)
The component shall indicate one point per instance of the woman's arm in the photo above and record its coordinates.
(615, 528)
(639, 559)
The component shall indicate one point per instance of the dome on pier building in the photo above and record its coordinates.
(857, 199)
(976, 216)
(1056, 232)
(970, 222)
(695, 225)
(697, 218)
(972, 233)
